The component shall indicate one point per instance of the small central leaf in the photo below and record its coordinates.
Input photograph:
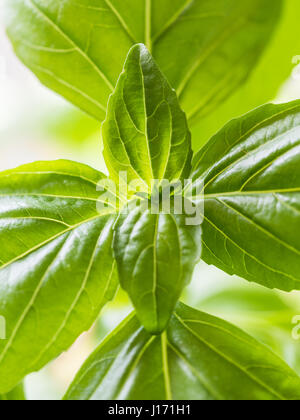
(205, 48)
(145, 133)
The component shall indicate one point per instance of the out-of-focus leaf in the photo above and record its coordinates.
(199, 357)
(69, 125)
(251, 173)
(247, 300)
(17, 394)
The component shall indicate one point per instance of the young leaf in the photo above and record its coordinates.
(156, 255)
(205, 48)
(57, 269)
(199, 357)
(145, 133)
(251, 172)
(17, 394)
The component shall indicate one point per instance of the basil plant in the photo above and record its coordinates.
(71, 235)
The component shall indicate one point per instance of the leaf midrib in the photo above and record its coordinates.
(40, 245)
(165, 363)
(148, 24)
(71, 87)
(261, 228)
(30, 303)
(194, 371)
(223, 36)
(228, 359)
(134, 364)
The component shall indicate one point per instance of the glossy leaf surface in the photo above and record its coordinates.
(145, 133)
(77, 48)
(57, 269)
(199, 357)
(251, 173)
(277, 64)
(156, 255)
(17, 394)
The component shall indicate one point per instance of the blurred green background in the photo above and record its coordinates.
(36, 124)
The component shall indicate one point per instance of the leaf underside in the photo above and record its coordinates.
(58, 254)
(78, 48)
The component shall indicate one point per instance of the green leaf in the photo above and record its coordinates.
(145, 132)
(156, 255)
(57, 269)
(17, 394)
(206, 49)
(199, 357)
(265, 314)
(251, 173)
(249, 304)
(273, 69)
